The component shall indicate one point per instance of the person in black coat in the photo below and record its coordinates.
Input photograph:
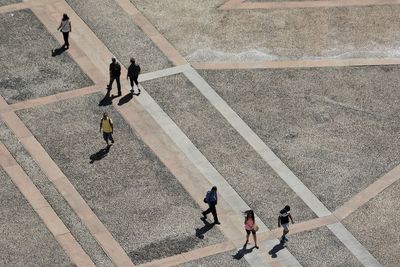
(133, 74)
(115, 73)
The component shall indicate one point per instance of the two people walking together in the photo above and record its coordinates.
(132, 75)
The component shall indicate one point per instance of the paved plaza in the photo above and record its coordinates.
(275, 102)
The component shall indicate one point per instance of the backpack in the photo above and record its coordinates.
(207, 197)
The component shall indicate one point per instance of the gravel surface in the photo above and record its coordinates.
(320, 248)
(335, 128)
(136, 197)
(25, 239)
(27, 69)
(203, 32)
(225, 259)
(375, 226)
(56, 201)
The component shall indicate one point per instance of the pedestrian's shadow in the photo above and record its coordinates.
(201, 231)
(107, 99)
(243, 251)
(99, 154)
(58, 51)
(125, 99)
(276, 249)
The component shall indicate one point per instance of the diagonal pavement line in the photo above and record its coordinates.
(312, 4)
(284, 64)
(278, 166)
(368, 193)
(67, 190)
(40, 205)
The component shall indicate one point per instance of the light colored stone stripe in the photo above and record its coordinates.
(313, 4)
(358, 250)
(62, 184)
(231, 4)
(242, 4)
(368, 193)
(163, 73)
(198, 159)
(40, 205)
(276, 164)
(54, 98)
(285, 64)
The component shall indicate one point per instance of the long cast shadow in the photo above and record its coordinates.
(99, 154)
(243, 251)
(201, 231)
(125, 99)
(276, 249)
(58, 51)
(107, 99)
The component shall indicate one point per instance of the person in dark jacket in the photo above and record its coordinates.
(283, 220)
(212, 199)
(133, 75)
(115, 73)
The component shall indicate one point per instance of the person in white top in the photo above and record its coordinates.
(65, 28)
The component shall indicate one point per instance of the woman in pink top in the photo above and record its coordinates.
(250, 226)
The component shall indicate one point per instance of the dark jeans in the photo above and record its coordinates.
(108, 136)
(133, 80)
(212, 210)
(116, 78)
(65, 35)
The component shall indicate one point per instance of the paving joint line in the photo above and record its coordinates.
(286, 64)
(245, 5)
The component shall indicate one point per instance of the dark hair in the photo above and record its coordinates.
(214, 188)
(132, 60)
(287, 207)
(65, 16)
(249, 214)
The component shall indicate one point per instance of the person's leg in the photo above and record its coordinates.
(105, 137)
(135, 79)
(111, 82)
(65, 36)
(131, 82)
(66, 39)
(111, 138)
(214, 213)
(247, 237)
(255, 239)
(207, 211)
(118, 85)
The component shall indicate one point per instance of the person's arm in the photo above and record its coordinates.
(279, 221)
(291, 218)
(70, 27)
(101, 124)
(59, 27)
(112, 126)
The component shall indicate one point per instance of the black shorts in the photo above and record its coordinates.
(252, 231)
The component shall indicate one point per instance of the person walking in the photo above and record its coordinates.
(283, 220)
(211, 199)
(107, 127)
(115, 73)
(250, 226)
(65, 28)
(133, 75)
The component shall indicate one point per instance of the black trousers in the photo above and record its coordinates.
(65, 35)
(133, 79)
(116, 78)
(212, 210)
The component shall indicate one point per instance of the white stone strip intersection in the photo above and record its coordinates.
(279, 167)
